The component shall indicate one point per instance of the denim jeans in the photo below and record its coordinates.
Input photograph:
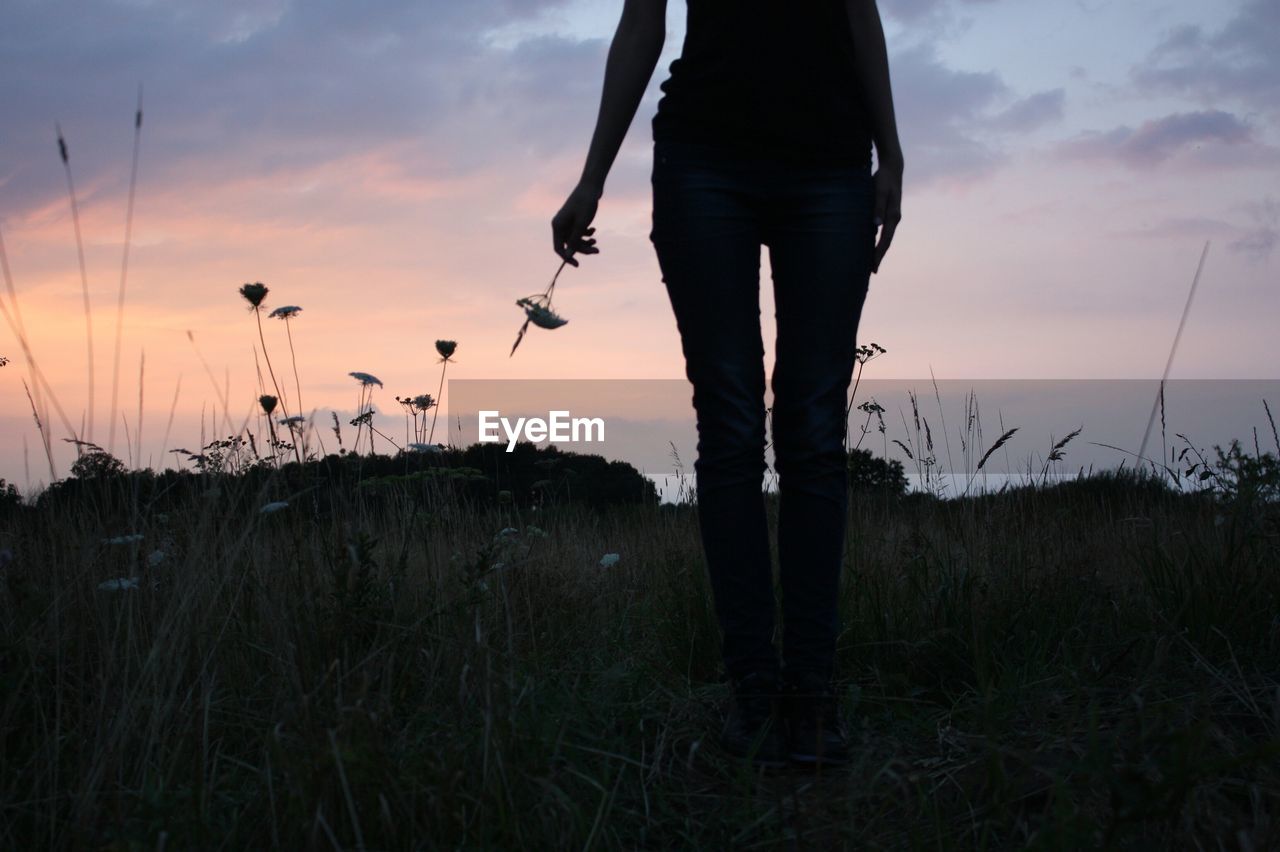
(712, 211)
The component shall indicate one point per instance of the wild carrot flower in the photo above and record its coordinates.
(537, 310)
(268, 403)
(119, 585)
(540, 315)
(123, 539)
(364, 405)
(271, 508)
(294, 420)
(446, 349)
(254, 293)
(609, 560)
(425, 448)
(286, 313)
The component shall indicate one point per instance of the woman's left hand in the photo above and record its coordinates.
(888, 180)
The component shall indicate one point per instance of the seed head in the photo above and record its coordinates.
(365, 378)
(268, 403)
(285, 312)
(254, 293)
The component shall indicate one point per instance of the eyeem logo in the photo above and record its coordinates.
(558, 427)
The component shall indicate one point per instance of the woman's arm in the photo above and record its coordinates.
(634, 53)
(872, 58)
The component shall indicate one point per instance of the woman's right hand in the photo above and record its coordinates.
(570, 227)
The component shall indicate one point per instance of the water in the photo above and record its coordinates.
(670, 485)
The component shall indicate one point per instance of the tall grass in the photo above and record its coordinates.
(398, 667)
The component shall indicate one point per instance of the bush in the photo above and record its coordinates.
(869, 474)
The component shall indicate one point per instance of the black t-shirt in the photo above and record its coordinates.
(769, 77)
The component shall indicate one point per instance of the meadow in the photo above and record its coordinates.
(425, 651)
(291, 645)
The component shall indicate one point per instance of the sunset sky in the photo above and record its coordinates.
(393, 167)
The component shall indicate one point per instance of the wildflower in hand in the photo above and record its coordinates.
(541, 316)
(537, 310)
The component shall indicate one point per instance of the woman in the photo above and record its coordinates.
(763, 137)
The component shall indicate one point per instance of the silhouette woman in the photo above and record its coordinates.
(763, 136)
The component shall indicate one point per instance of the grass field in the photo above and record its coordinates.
(405, 667)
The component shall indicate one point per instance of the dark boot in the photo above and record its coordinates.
(811, 714)
(753, 728)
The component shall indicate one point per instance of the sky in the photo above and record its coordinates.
(393, 168)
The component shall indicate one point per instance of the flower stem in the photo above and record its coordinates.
(437, 406)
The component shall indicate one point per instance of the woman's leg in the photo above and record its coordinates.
(707, 238)
(820, 234)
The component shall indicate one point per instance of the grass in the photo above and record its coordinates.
(1085, 665)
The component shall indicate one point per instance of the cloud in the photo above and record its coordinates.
(1032, 112)
(940, 112)
(1159, 140)
(272, 89)
(914, 11)
(1261, 240)
(1239, 61)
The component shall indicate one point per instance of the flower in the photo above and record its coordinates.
(123, 539)
(254, 293)
(285, 312)
(425, 448)
(608, 560)
(540, 315)
(119, 585)
(365, 378)
(423, 401)
(292, 420)
(446, 348)
(273, 507)
(268, 403)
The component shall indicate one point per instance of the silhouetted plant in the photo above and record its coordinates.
(870, 474)
(97, 464)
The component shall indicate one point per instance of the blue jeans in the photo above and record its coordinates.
(712, 211)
